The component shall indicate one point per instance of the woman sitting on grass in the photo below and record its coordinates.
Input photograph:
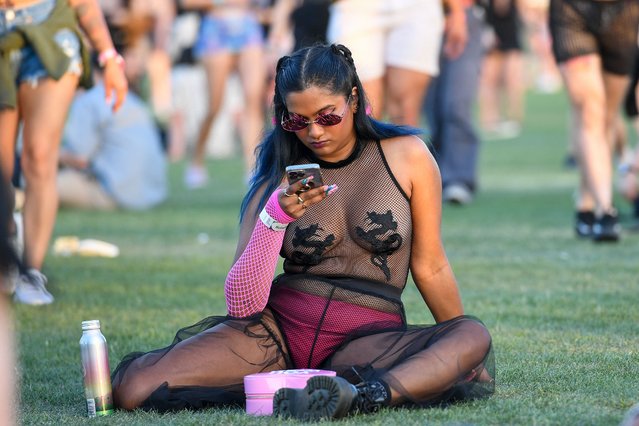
(348, 248)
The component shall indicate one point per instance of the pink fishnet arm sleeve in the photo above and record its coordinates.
(248, 283)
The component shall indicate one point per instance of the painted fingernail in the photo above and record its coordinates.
(331, 189)
(305, 180)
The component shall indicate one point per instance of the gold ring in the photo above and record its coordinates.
(299, 200)
(287, 194)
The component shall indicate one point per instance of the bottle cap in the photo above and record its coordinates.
(90, 325)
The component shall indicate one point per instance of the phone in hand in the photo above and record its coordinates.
(301, 171)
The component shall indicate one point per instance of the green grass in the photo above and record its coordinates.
(563, 312)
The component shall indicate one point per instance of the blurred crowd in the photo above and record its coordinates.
(200, 78)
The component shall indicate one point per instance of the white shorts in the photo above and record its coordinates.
(400, 33)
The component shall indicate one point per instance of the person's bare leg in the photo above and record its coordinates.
(8, 132)
(374, 90)
(252, 72)
(620, 147)
(514, 83)
(217, 357)
(44, 108)
(444, 364)
(584, 200)
(615, 87)
(217, 68)
(405, 95)
(488, 90)
(584, 83)
(8, 388)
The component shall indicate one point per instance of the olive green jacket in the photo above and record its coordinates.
(40, 37)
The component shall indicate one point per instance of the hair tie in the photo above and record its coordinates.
(340, 49)
(281, 63)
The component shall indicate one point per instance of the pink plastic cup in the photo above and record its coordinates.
(261, 387)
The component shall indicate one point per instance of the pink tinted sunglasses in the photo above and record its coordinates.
(295, 122)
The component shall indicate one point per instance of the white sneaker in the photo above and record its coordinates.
(457, 194)
(31, 289)
(195, 177)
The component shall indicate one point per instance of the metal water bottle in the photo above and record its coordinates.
(95, 370)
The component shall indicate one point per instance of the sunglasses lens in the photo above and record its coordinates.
(294, 123)
(328, 119)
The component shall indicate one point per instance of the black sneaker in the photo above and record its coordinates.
(584, 221)
(327, 397)
(606, 228)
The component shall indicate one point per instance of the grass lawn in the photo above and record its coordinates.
(564, 313)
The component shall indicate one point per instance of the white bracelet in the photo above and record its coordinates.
(271, 223)
(105, 55)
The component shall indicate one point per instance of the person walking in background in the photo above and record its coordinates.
(449, 109)
(142, 28)
(348, 244)
(502, 84)
(304, 20)
(594, 43)
(40, 66)
(230, 37)
(396, 48)
(111, 160)
(546, 77)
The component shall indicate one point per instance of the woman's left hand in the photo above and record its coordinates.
(456, 33)
(115, 81)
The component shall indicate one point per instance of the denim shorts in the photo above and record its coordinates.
(25, 64)
(227, 34)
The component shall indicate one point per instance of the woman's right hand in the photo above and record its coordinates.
(295, 199)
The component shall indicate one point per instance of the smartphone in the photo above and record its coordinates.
(301, 171)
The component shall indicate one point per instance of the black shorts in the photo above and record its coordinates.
(507, 27)
(606, 28)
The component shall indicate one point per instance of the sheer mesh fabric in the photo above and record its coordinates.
(317, 315)
(337, 306)
(204, 365)
(425, 366)
(363, 230)
(609, 28)
(248, 283)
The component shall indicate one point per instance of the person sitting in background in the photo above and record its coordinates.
(348, 247)
(111, 160)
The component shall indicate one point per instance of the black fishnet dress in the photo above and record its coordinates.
(337, 306)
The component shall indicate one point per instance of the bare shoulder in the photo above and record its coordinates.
(409, 159)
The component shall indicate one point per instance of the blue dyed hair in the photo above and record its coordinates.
(327, 67)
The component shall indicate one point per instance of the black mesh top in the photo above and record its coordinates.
(363, 230)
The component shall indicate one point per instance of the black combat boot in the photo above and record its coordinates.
(326, 397)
